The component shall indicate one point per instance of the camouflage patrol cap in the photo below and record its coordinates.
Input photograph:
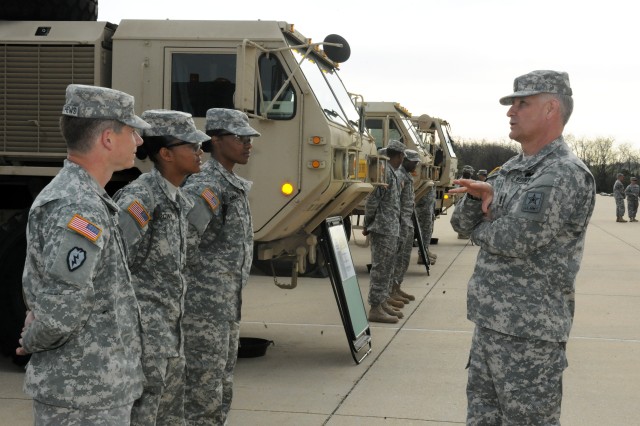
(100, 102)
(411, 155)
(482, 172)
(396, 146)
(231, 120)
(634, 178)
(540, 81)
(382, 151)
(178, 124)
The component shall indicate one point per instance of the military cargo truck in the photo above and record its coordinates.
(311, 162)
(436, 135)
(390, 120)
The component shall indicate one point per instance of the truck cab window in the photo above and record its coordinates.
(374, 126)
(272, 78)
(201, 81)
(395, 132)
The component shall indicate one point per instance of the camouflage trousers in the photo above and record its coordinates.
(632, 206)
(403, 254)
(211, 352)
(162, 400)
(424, 212)
(51, 415)
(619, 207)
(383, 251)
(514, 381)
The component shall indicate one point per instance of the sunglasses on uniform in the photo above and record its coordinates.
(237, 138)
(194, 146)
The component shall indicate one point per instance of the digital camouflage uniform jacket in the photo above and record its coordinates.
(85, 338)
(155, 229)
(407, 198)
(222, 231)
(382, 208)
(531, 245)
(618, 190)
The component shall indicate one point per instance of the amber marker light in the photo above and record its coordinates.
(316, 140)
(286, 189)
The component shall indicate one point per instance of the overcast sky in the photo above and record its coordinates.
(454, 59)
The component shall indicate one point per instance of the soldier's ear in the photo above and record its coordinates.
(106, 139)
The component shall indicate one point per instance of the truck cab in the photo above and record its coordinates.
(436, 134)
(390, 120)
(305, 165)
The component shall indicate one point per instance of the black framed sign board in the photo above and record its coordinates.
(344, 281)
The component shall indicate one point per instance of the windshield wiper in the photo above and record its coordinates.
(330, 112)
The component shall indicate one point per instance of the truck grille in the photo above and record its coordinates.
(33, 79)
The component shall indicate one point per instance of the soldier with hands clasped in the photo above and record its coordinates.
(83, 327)
(154, 223)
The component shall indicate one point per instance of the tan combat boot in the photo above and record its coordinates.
(391, 311)
(397, 290)
(633, 219)
(432, 257)
(395, 303)
(395, 295)
(377, 314)
(620, 219)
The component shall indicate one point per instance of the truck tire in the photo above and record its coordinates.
(49, 10)
(13, 249)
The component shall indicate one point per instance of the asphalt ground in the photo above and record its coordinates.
(415, 373)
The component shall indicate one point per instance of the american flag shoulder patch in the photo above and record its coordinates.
(138, 212)
(83, 227)
(210, 198)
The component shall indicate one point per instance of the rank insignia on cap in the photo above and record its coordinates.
(76, 258)
(532, 202)
(210, 198)
(139, 213)
(83, 227)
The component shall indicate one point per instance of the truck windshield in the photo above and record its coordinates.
(413, 134)
(329, 91)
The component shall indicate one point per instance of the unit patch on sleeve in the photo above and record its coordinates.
(76, 258)
(83, 227)
(210, 198)
(532, 202)
(139, 213)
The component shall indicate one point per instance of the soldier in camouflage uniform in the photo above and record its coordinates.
(154, 224)
(83, 327)
(221, 243)
(529, 220)
(382, 225)
(632, 191)
(619, 196)
(405, 240)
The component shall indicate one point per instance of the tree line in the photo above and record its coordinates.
(604, 157)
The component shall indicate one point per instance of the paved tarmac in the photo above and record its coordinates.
(415, 374)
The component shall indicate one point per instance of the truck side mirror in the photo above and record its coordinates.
(246, 66)
(335, 53)
(425, 122)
